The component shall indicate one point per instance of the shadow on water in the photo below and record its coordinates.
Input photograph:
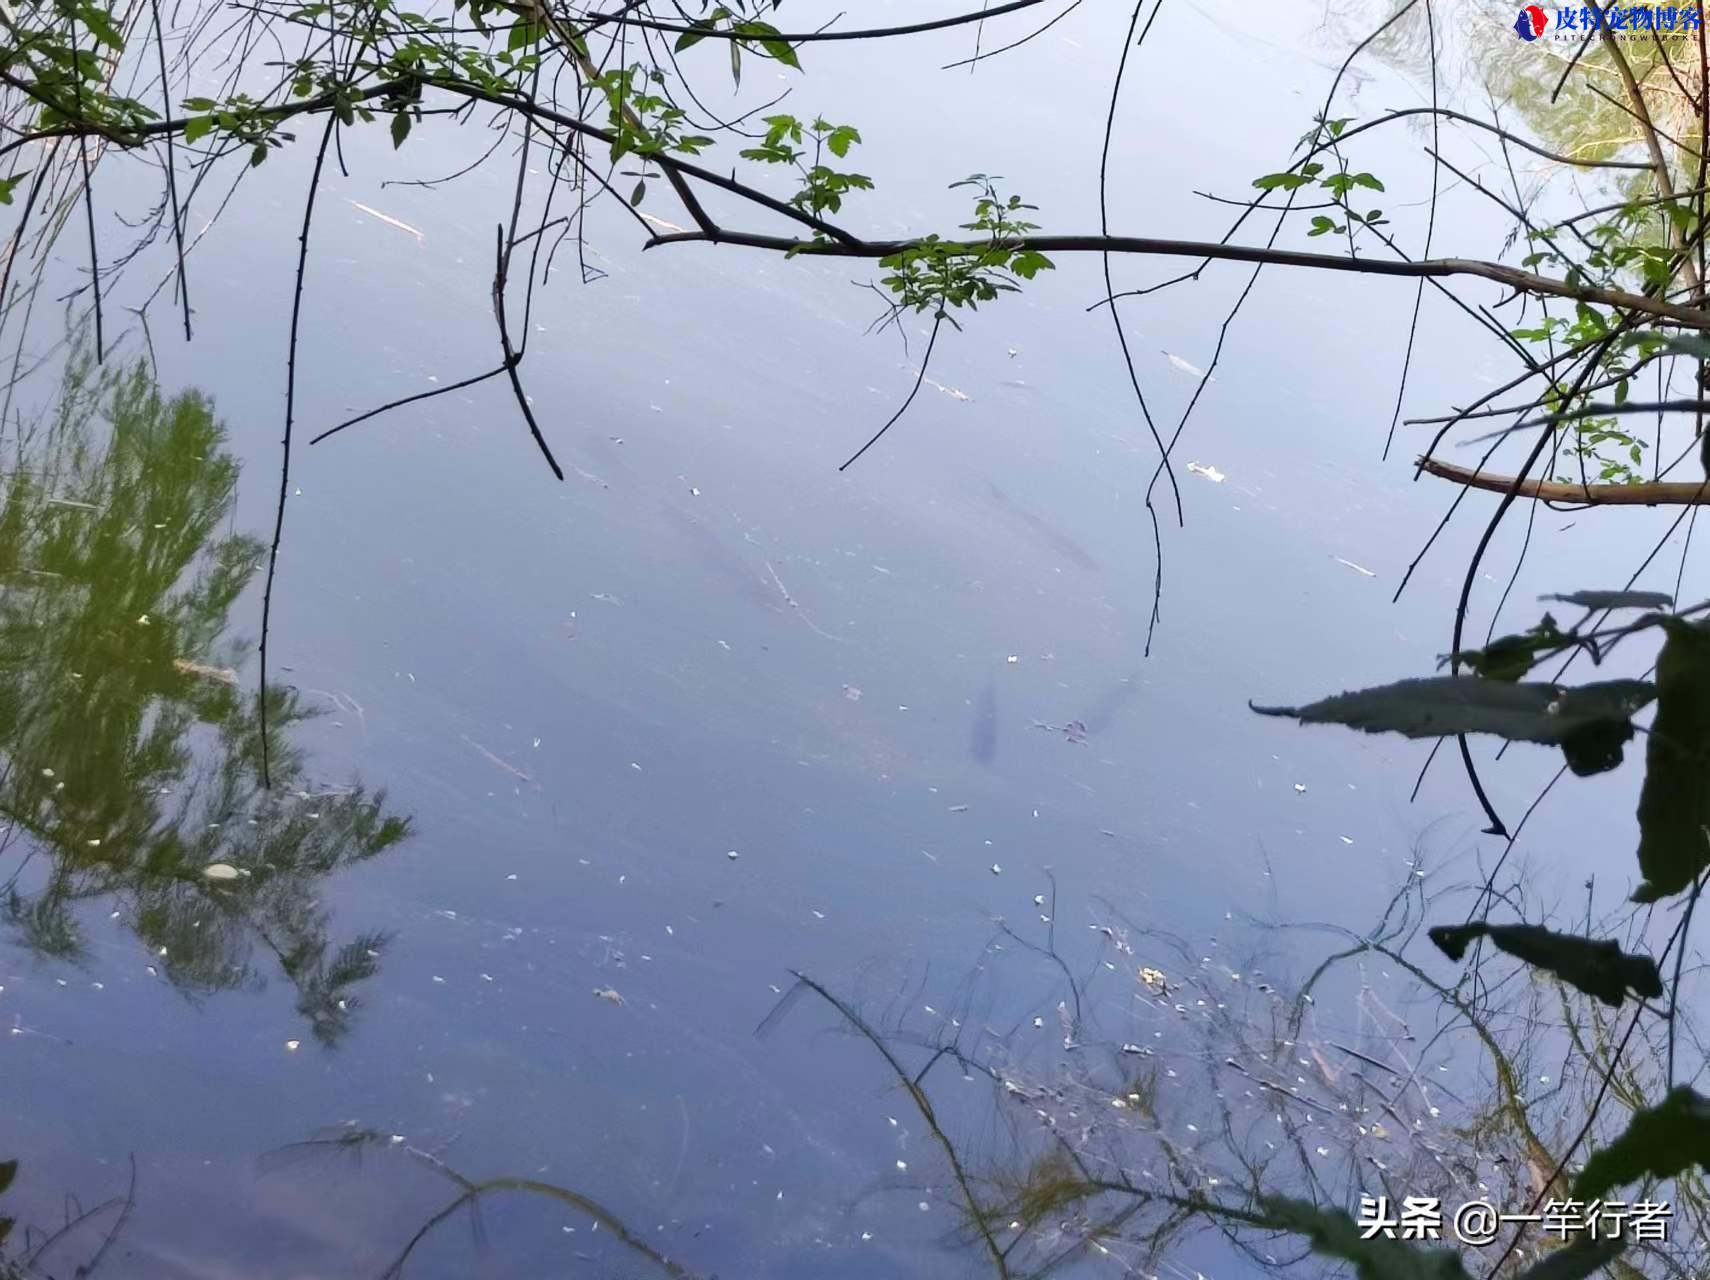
(1167, 1107)
(129, 773)
(983, 737)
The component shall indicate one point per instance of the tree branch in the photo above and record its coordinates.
(1526, 281)
(1657, 493)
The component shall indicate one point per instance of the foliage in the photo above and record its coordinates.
(1589, 723)
(1597, 967)
(129, 752)
(1672, 1136)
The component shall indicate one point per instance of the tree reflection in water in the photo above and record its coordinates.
(1180, 1093)
(128, 751)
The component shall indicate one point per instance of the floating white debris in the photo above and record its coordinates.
(608, 994)
(1357, 568)
(47, 773)
(1013, 658)
(1211, 473)
(732, 854)
(439, 979)
(1300, 787)
(1038, 1024)
(958, 808)
(852, 693)
(996, 870)
(1193, 371)
(1038, 899)
(902, 1166)
(220, 871)
(405, 227)
(220, 675)
(291, 1046)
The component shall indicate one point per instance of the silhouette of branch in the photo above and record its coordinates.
(285, 456)
(913, 391)
(400, 403)
(870, 33)
(512, 357)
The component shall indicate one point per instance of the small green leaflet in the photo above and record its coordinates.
(8, 185)
(400, 129)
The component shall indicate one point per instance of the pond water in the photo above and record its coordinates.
(634, 748)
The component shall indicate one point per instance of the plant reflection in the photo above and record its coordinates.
(1182, 1093)
(129, 768)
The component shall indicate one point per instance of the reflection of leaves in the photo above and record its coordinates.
(1589, 722)
(1511, 657)
(1616, 599)
(125, 753)
(1660, 1142)
(8, 1171)
(1597, 967)
(1674, 806)
(1336, 1235)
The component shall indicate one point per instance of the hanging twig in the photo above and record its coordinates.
(285, 455)
(937, 320)
(512, 358)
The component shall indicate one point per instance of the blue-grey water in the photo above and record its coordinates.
(710, 711)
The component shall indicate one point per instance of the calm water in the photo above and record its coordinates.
(707, 712)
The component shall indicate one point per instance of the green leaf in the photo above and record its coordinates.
(736, 63)
(1335, 1235)
(400, 129)
(1674, 805)
(8, 1171)
(839, 139)
(1321, 226)
(1616, 599)
(257, 154)
(1660, 1142)
(636, 195)
(1366, 180)
(1589, 723)
(101, 26)
(8, 185)
(198, 127)
(1597, 967)
(1029, 263)
(1281, 181)
(688, 40)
